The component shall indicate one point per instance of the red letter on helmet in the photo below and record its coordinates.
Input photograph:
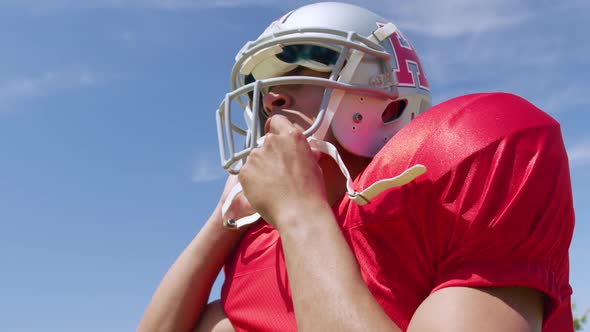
(409, 70)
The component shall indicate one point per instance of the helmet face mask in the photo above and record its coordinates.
(366, 75)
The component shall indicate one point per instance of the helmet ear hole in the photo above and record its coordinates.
(394, 110)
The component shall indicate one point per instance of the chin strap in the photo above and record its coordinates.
(365, 196)
(232, 223)
(360, 198)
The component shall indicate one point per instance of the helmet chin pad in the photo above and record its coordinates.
(360, 128)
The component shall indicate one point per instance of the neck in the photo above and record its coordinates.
(334, 180)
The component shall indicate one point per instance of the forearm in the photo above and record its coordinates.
(329, 293)
(183, 292)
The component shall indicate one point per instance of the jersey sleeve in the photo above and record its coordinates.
(510, 213)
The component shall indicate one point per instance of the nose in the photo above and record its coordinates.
(275, 101)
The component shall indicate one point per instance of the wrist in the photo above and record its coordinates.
(307, 215)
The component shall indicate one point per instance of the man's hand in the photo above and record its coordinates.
(282, 177)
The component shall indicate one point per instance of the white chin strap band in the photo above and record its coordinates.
(360, 198)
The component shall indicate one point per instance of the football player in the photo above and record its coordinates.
(360, 207)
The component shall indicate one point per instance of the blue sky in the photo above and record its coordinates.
(108, 149)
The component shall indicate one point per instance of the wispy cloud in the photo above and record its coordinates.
(180, 4)
(574, 5)
(435, 18)
(534, 60)
(568, 98)
(207, 169)
(457, 17)
(49, 6)
(579, 153)
(44, 84)
(177, 4)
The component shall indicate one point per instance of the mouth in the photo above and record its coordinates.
(297, 118)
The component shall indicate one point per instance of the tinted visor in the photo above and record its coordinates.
(314, 57)
(296, 53)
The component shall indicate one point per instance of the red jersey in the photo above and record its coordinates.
(493, 209)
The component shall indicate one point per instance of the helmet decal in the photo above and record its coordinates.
(409, 69)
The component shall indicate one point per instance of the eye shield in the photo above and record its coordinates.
(280, 60)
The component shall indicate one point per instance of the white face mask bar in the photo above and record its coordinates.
(252, 56)
(226, 129)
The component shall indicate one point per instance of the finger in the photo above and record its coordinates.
(277, 124)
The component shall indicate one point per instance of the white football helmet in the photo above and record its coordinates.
(376, 83)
